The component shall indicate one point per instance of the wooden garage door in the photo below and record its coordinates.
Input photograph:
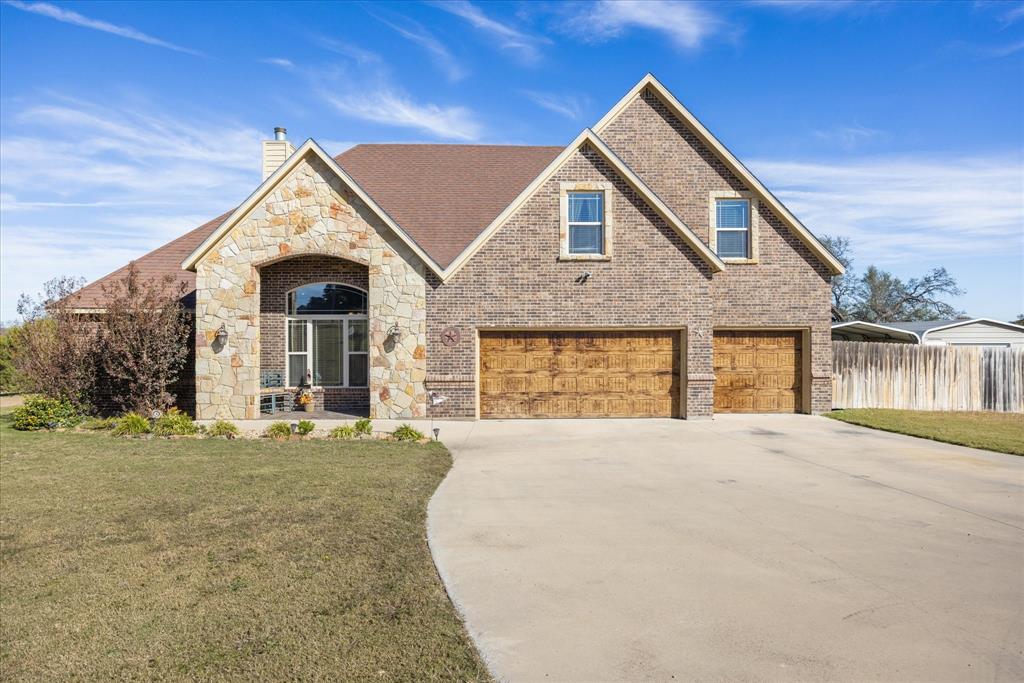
(757, 372)
(579, 374)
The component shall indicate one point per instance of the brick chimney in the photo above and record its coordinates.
(276, 151)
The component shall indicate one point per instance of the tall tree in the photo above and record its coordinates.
(844, 287)
(883, 297)
(879, 296)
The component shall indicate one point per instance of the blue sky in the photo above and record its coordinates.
(899, 125)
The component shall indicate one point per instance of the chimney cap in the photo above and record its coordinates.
(280, 133)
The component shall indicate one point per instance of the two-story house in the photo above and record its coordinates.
(639, 271)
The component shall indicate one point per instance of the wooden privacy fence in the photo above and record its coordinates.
(921, 377)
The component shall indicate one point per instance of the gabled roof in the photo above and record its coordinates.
(923, 327)
(308, 148)
(165, 260)
(444, 195)
(588, 136)
(734, 164)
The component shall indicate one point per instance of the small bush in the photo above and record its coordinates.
(223, 428)
(174, 423)
(363, 427)
(278, 430)
(131, 424)
(45, 413)
(343, 432)
(305, 427)
(99, 424)
(407, 433)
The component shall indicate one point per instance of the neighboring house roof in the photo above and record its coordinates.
(918, 330)
(734, 165)
(874, 332)
(923, 327)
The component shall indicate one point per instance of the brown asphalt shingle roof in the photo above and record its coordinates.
(443, 196)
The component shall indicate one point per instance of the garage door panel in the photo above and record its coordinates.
(580, 374)
(757, 371)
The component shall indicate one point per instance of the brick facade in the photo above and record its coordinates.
(311, 229)
(789, 287)
(517, 280)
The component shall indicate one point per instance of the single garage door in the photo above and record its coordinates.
(757, 372)
(580, 374)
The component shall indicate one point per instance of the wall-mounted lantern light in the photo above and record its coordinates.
(394, 333)
(222, 335)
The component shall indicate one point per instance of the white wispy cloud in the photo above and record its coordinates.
(892, 207)
(394, 108)
(87, 187)
(415, 32)
(352, 51)
(279, 61)
(510, 38)
(849, 136)
(568, 106)
(686, 24)
(71, 17)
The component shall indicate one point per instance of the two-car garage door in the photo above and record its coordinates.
(633, 373)
(580, 373)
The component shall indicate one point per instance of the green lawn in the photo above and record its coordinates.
(222, 560)
(1003, 432)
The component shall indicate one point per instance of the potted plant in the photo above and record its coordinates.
(306, 400)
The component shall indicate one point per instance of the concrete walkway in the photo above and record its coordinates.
(744, 548)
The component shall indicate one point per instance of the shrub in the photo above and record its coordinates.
(174, 423)
(45, 413)
(223, 428)
(142, 336)
(363, 427)
(131, 424)
(343, 432)
(99, 424)
(407, 433)
(278, 430)
(305, 427)
(55, 353)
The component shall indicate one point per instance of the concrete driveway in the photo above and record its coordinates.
(744, 548)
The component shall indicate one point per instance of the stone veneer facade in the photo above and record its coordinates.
(308, 213)
(517, 279)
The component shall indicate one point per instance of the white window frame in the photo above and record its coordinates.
(752, 229)
(607, 224)
(588, 224)
(308, 320)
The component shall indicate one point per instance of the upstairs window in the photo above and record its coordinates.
(586, 223)
(732, 228)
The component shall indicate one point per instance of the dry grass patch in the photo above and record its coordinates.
(1002, 432)
(214, 560)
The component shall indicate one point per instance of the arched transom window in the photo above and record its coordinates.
(326, 336)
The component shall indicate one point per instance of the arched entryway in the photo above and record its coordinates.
(314, 332)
